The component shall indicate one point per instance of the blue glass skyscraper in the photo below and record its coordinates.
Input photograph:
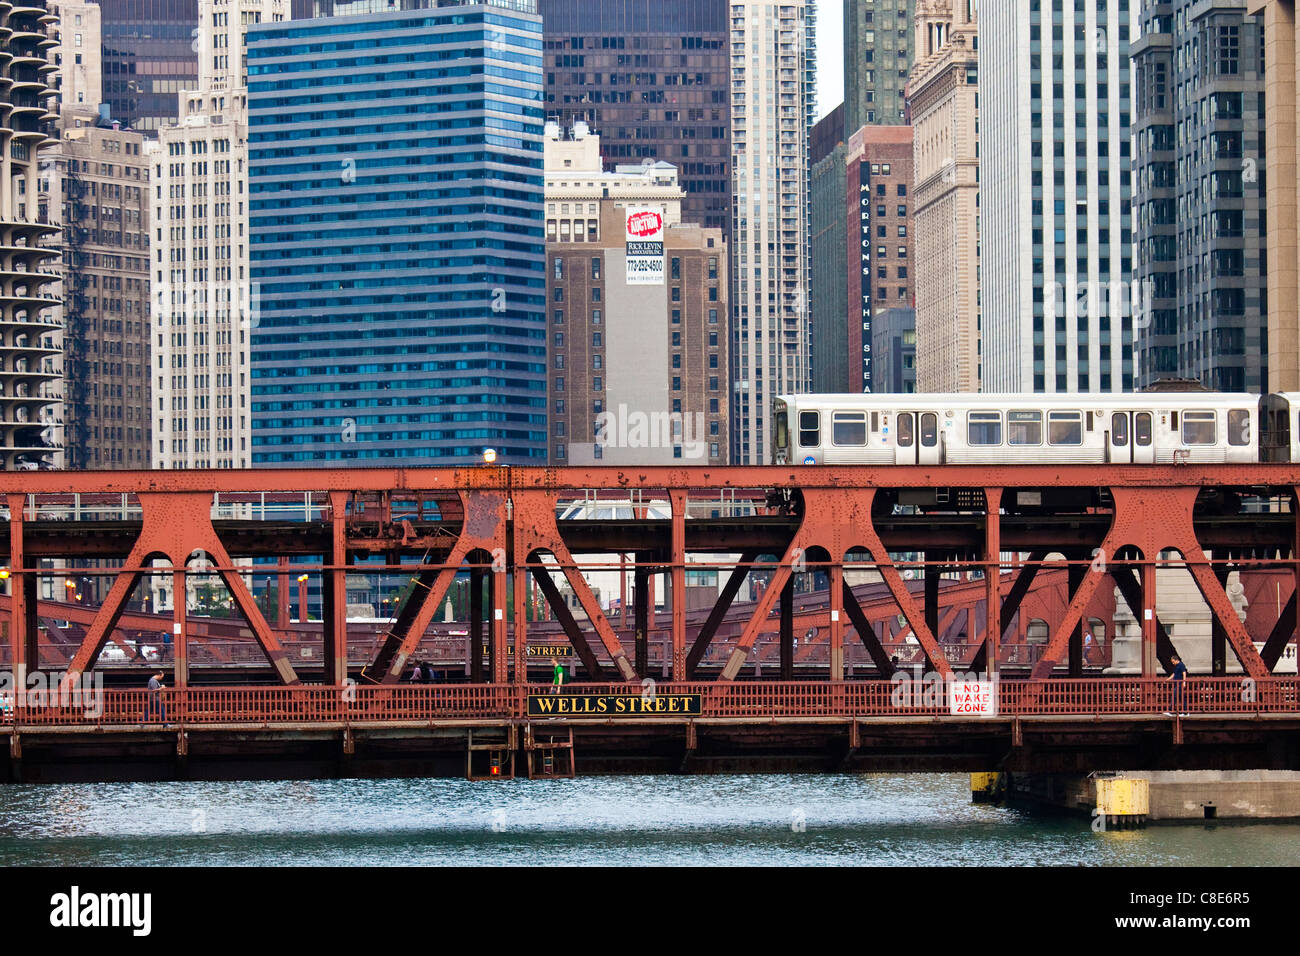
(396, 236)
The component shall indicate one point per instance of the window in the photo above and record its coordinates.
(809, 429)
(849, 428)
(1142, 429)
(596, 340)
(1065, 428)
(1119, 429)
(595, 268)
(1198, 428)
(676, 269)
(595, 295)
(595, 384)
(905, 430)
(595, 316)
(1024, 428)
(929, 430)
(1239, 426)
(559, 268)
(984, 428)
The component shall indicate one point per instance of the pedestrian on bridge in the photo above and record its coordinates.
(1178, 674)
(557, 678)
(155, 704)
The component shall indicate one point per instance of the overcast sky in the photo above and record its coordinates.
(830, 55)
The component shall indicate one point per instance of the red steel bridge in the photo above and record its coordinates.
(849, 592)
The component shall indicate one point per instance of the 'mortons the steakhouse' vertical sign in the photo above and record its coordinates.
(645, 245)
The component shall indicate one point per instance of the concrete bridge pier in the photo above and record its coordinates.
(1160, 796)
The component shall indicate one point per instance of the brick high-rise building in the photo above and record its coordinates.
(878, 168)
(862, 254)
(638, 356)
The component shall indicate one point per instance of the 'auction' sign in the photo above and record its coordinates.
(645, 245)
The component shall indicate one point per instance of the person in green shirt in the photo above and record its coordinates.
(557, 678)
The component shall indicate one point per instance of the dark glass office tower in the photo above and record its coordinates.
(149, 57)
(396, 237)
(652, 78)
(1199, 202)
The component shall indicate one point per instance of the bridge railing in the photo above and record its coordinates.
(767, 699)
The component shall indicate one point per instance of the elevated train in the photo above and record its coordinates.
(1140, 428)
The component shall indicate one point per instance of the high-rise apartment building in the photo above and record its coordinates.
(99, 182)
(1056, 195)
(29, 325)
(149, 57)
(1282, 240)
(773, 106)
(878, 44)
(204, 303)
(1199, 203)
(638, 344)
(943, 99)
(397, 233)
(652, 79)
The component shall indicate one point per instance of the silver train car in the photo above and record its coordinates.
(1140, 428)
(994, 429)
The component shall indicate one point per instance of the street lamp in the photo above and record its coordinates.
(489, 456)
(302, 598)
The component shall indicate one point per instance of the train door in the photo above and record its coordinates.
(917, 438)
(1130, 438)
(928, 450)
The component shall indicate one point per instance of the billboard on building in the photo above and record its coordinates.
(645, 245)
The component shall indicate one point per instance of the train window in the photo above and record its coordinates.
(1024, 428)
(849, 428)
(1065, 428)
(1142, 429)
(905, 425)
(1198, 428)
(810, 429)
(984, 428)
(1119, 429)
(929, 430)
(782, 430)
(1239, 426)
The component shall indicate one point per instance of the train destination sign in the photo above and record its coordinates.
(614, 705)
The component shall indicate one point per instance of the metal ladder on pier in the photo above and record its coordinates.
(551, 757)
(499, 752)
